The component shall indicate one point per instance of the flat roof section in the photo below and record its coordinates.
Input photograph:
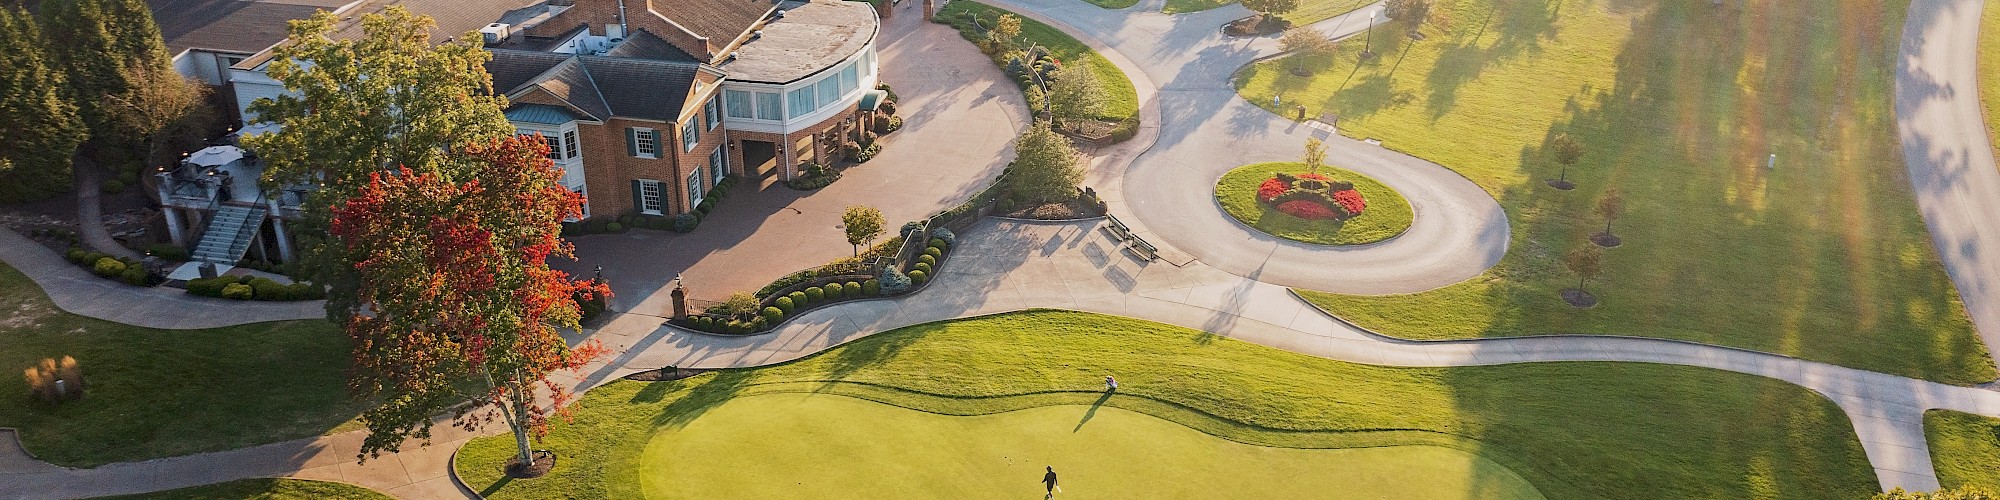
(230, 25)
(812, 37)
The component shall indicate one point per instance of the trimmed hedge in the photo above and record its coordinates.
(772, 315)
(259, 288)
(108, 267)
(785, 304)
(236, 291)
(871, 287)
(919, 277)
(815, 294)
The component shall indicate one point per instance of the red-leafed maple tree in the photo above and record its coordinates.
(456, 300)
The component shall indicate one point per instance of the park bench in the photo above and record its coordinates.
(1117, 229)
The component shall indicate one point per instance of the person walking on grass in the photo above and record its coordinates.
(1110, 384)
(1049, 480)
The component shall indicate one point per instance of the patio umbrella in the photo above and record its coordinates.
(216, 156)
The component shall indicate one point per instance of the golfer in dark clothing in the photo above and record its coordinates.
(1049, 480)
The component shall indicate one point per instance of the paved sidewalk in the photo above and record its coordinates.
(1948, 153)
(80, 292)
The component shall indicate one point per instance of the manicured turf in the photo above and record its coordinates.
(1989, 70)
(1113, 4)
(1122, 102)
(1309, 11)
(264, 489)
(160, 393)
(1572, 430)
(1387, 215)
(1678, 104)
(1964, 448)
(750, 447)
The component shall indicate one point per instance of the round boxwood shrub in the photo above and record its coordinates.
(815, 294)
(773, 315)
(871, 287)
(136, 275)
(686, 222)
(236, 291)
(934, 252)
(614, 227)
(758, 324)
(265, 289)
(799, 299)
(854, 290)
(939, 242)
(927, 259)
(919, 276)
(108, 267)
(701, 323)
(949, 237)
(784, 304)
(75, 256)
(922, 266)
(834, 291)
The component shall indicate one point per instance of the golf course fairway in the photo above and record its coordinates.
(826, 446)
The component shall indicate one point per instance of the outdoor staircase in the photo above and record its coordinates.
(229, 234)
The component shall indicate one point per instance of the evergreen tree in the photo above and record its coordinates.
(1046, 167)
(43, 128)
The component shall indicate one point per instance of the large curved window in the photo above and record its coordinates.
(800, 102)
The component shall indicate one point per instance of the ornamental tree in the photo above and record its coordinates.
(862, 223)
(1567, 151)
(1271, 7)
(1305, 42)
(1315, 156)
(1076, 95)
(1610, 207)
(1586, 261)
(1046, 167)
(455, 297)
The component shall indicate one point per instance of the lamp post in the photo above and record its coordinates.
(1368, 37)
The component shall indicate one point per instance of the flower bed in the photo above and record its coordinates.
(1331, 207)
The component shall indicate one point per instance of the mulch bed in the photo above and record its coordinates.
(663, 374)
(1562, 184)
(1606, 240)
(1579, 298)
(1073, 209)
(544, 462)
(1255, 26)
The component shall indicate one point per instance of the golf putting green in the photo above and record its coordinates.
(825, 446)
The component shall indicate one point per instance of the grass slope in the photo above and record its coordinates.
(750, 449)
(1387, 215)
(1573, 430)
(1122, 101)
(1113, 4)
(1964, 448)
(264, 489)
(1989, 70)
(160, 393)
(1678, 104)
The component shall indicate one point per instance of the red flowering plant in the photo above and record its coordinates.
(1311, 196)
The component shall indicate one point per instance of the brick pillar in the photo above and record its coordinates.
(927, 10)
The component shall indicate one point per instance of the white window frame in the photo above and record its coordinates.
(712, 112)
(570, 149)
(690, 134)
(777, 102)
(746, 99)
(718, 164)
(694, 188)
(642, 142)
(652, 199)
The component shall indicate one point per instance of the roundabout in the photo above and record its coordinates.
(1255, 195)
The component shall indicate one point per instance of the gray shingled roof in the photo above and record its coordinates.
(599, 86)
(722, 21)
(644, 45)
(227, 25)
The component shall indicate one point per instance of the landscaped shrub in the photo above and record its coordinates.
(54, 381)
(834, 291)
(894, 282)
(871, 288)
(855, 290)
(595, 226)
(237, 291)
(927, 259)
(108, 267)
(922, 266)
(168, 252)
(614, 227)
(758, 324)
(703, 323)
(887, 125)
(939, 243)
(266, 289)
(799, 299)
(208, 287)
(934, 252)
(784, 304)
(686, 222)
(919, 276)
(136, 275)
(815, 294)
(773, 315)
(706, 206)
(945, 234)
(76, 255)
(308, 291)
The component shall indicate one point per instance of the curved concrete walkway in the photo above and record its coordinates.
(80, 292)
(1949, 154)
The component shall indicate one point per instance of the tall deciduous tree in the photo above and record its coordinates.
(459, 298)
(43, 128)
(1305, 42)
(1046, 167)
(1076, 95)
(863, 223)
(364, 105)
(1411, 13)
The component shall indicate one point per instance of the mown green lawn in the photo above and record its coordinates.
(161, 393)
(1387, 215)
(264, 489)
(1122, 101)
(1679, 105)
(1113, 4)
(1572, 430)
(1989, 70)
(1965, 448)
(1309, 11)
(750, 449)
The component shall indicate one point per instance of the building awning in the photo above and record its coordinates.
(540, 113)
(873, 99)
